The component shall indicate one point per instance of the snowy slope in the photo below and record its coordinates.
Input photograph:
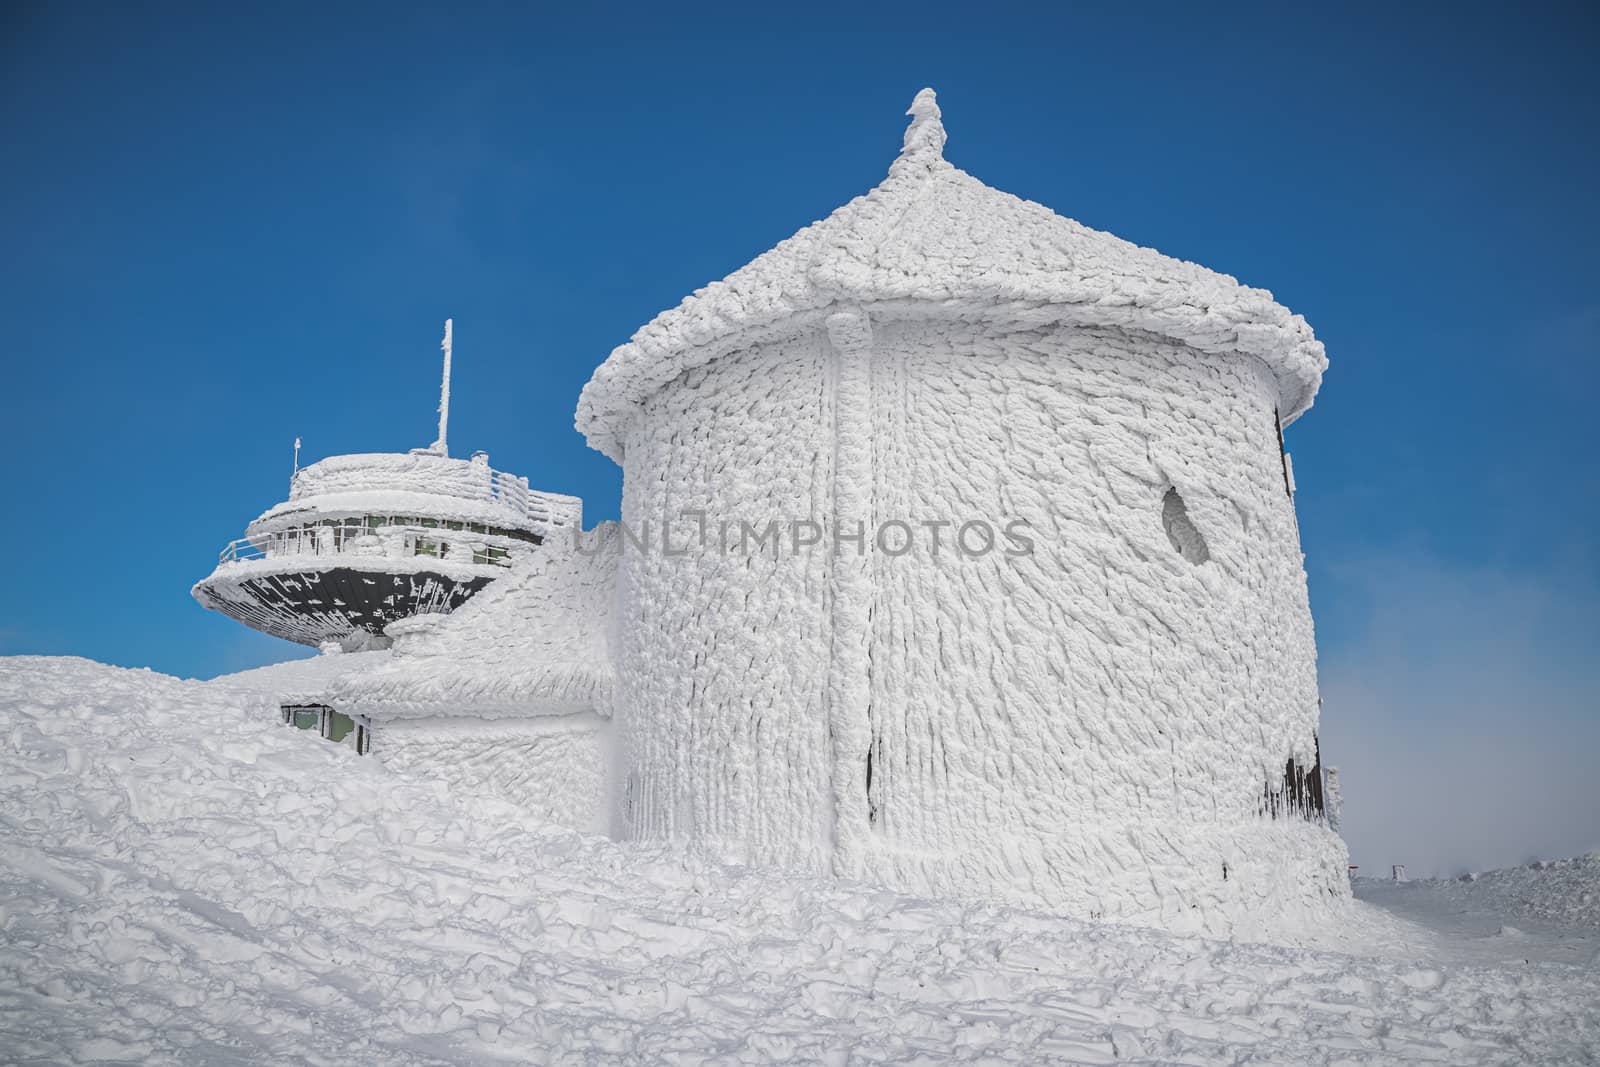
(1551, 909)
(303, 680)
(535, 642)
(183, 882)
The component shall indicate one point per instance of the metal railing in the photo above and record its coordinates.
(466, 480)
(301, 541)
(378, 537)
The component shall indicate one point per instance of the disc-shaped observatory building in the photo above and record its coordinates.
(366, 540)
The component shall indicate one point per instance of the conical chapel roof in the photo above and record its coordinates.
(933, 240)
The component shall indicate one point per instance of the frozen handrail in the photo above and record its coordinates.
(381, 536)
(439, 476)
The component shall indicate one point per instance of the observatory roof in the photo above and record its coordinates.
(418, 483)
(932, 239)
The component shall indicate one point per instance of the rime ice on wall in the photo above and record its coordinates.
(1101, 725)
(1090, 725)
(722, 732)
(513, 691)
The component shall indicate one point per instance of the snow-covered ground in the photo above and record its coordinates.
(1548, 911)
(304, 680)
(182, 881)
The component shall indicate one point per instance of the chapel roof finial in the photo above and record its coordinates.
(925, 137)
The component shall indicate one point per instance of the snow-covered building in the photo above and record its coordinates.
(512, 693)
(366, 540)
(1034, 623)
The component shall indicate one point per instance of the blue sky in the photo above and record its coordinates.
(224, 228)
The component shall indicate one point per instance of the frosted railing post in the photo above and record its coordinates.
(484, 476)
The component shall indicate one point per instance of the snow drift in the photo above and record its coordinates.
(182, 882)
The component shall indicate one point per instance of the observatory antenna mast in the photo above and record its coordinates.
(441, 446)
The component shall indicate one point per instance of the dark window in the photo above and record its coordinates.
(1181, 530)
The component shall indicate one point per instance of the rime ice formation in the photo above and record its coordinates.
(441, 443)
(1334, 801)
(512, 691)
(1121, 722)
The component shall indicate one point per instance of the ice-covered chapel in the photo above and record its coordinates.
(1122, 721)
(1048, 639)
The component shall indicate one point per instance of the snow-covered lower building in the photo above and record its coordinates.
(971, 565)
(510, 693)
